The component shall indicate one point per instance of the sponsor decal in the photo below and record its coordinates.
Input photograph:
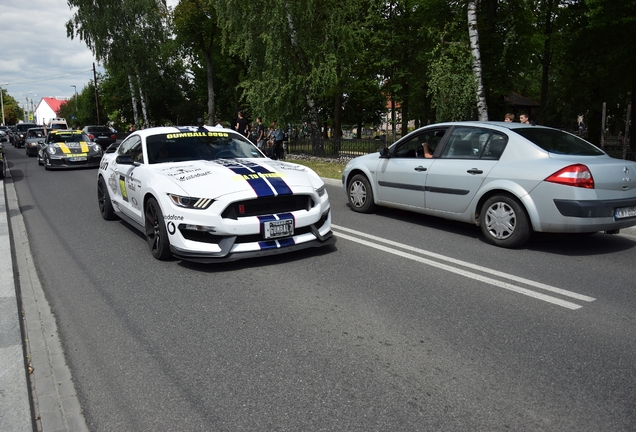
(122, 187)
(179, 171)
(131, 185)
(289, 167)
(103, 165)
(173, 217)
(171, 228)
(193, 176)
(135, 203)
(112, 182)
(197, 134)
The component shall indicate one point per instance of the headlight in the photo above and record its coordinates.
(321, 190)
(191, 202)
(97, 148)
(51, 149)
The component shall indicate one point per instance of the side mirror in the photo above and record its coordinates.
(125, 160)
(384, 153)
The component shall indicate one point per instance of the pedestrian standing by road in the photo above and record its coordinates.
(260, 133)
(509, 118)
(279, 137)
(242, 126)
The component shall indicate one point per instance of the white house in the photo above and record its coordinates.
(47, 109)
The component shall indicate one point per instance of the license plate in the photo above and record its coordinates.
(625, 212)
(77, 159)
(280, 228)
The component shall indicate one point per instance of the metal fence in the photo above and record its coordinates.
(334, 148)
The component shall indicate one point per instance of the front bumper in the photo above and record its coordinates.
(65, 163)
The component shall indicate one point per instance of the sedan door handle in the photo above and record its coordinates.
(420, 168)
(474, 171)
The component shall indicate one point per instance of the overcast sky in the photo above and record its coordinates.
(36, 57)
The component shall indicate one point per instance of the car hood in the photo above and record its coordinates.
(265, 177)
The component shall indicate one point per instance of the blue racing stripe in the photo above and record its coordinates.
(268, 245)
(287, 242)
(278, 183)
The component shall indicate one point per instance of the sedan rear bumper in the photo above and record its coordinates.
(592, 208)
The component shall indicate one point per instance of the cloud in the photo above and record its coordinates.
(37, 59)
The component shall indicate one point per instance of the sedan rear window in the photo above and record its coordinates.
(559, 142)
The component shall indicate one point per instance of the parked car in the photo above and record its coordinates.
(102, 135)
(33, 137)
(4, 137)
(209, 195)
(510, 179)
(3, 165)
(68, 149)
(20, 133)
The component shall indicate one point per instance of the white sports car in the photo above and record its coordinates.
(209, 195)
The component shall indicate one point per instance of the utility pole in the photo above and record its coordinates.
(96, 96)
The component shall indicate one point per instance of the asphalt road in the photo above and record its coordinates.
(422, 327)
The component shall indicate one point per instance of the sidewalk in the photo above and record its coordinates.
(44, 398)
(15, 409)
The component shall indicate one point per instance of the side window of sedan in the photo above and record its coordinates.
(475, 143)
(132, 146)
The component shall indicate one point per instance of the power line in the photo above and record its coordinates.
(51, 78)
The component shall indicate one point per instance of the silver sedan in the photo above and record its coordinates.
(510, 179)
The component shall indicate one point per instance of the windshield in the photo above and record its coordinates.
(187, 146)
(559, 142)
(70, 136)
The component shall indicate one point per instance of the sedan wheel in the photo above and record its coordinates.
(46, 162)
(360, 194)
(3, 169)
(156, 233)
(504, 222)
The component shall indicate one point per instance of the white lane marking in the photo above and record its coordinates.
(465, 273)
(525, 281)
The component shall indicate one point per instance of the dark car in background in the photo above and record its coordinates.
(20, 133)
(33, 137)
(101, 135)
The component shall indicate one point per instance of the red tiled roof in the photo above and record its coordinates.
(54, 103)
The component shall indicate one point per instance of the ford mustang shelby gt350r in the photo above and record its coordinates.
(209, 195)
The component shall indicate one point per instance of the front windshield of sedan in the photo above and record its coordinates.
(187, 146)
(559, 142)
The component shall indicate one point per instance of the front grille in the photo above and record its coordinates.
(268, 206)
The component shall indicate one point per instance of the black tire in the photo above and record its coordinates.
(504, 222)
(39, 160)
(360, 194)
(3, 169)
(103, 199)
(156, 233)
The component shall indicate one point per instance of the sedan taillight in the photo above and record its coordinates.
(91, 136)
(574, 175)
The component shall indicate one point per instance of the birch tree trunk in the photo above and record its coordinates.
(142, 98)
(133, 98)
(482, 108)
(211, 95)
